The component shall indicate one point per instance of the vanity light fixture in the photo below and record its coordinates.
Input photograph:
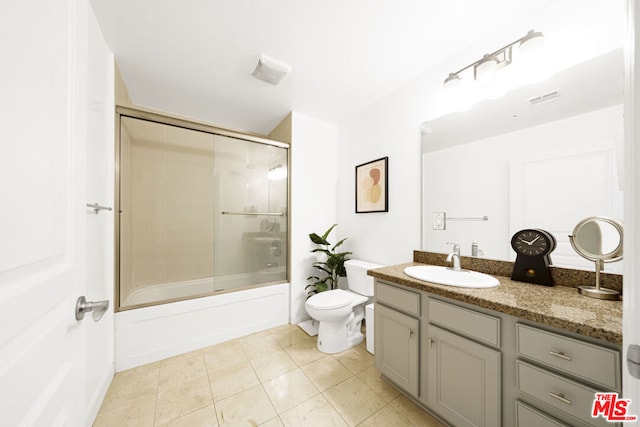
(453, 80)
(484, 69)
(533, 41)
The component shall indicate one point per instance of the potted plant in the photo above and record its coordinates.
(331, 269)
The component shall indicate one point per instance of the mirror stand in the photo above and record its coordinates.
(587, 240)
(596, 291)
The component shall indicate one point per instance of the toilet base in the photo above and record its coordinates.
(338, 344)
(336, 337)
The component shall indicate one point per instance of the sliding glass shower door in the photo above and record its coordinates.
(251, 216)
(199, 212)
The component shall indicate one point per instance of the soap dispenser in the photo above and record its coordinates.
(474, 249)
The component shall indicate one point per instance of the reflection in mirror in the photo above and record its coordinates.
(589, 238)
(527, 164)
(598, 239)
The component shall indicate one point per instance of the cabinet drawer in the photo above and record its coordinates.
(473, 324)
(398, 298)
(566, 395)
(584, 360)
(526, 416)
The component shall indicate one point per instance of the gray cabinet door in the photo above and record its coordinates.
(463, 379)
(396, 347)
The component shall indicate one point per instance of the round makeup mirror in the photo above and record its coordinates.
(598, 239)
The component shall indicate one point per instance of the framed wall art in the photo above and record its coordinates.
(372, 181)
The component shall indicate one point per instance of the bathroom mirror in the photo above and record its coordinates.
(598, 239)
(543, 156)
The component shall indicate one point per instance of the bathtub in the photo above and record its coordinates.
(190, 288)
(148, 334)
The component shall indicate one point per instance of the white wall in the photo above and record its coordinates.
(314, 149)
(391, 126)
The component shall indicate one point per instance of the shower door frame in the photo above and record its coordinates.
(190, 124)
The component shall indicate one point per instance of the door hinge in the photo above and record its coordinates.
(633, 360)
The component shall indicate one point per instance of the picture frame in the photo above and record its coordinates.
(372, 184)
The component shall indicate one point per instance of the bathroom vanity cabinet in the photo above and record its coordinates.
(462, 364)
(477, 367)
(397, 335)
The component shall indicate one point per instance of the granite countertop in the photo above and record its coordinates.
(557, 306)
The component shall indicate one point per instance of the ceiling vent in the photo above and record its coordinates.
(547, 97)
(270, 70)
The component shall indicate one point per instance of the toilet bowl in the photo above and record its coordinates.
(340, 312)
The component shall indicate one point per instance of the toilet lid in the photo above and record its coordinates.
(330, 299)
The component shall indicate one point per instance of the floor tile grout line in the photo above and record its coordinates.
(260, 382)
(335, 409)
(326, 400)
(155, 410)
(213, 402)
(244, 389)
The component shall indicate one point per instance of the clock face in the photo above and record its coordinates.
(532, 242)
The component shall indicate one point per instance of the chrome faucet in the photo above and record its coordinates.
(455, 256)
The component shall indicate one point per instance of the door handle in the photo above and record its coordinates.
(98, 308)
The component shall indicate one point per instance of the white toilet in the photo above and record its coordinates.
(340, 312)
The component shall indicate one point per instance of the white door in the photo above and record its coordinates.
(631, 290)
(99, 250)
(43, 217)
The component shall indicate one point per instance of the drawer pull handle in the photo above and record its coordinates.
(560, 397)
(560, 355)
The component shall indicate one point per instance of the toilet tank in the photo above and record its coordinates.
(357, 278)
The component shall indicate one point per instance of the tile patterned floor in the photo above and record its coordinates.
(272, 378)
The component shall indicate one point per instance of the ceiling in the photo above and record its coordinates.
(195, 57)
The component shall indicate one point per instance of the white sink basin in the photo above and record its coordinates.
(451, 277)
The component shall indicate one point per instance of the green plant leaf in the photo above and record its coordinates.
(324, 251)
(321, 267)
(333, 249)
(321, 287)
(318, 240)
(333, 262)
(326, 233)
(343, 254)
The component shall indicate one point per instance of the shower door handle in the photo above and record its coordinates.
(253, 213)
(97, 208)
(98, 308)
